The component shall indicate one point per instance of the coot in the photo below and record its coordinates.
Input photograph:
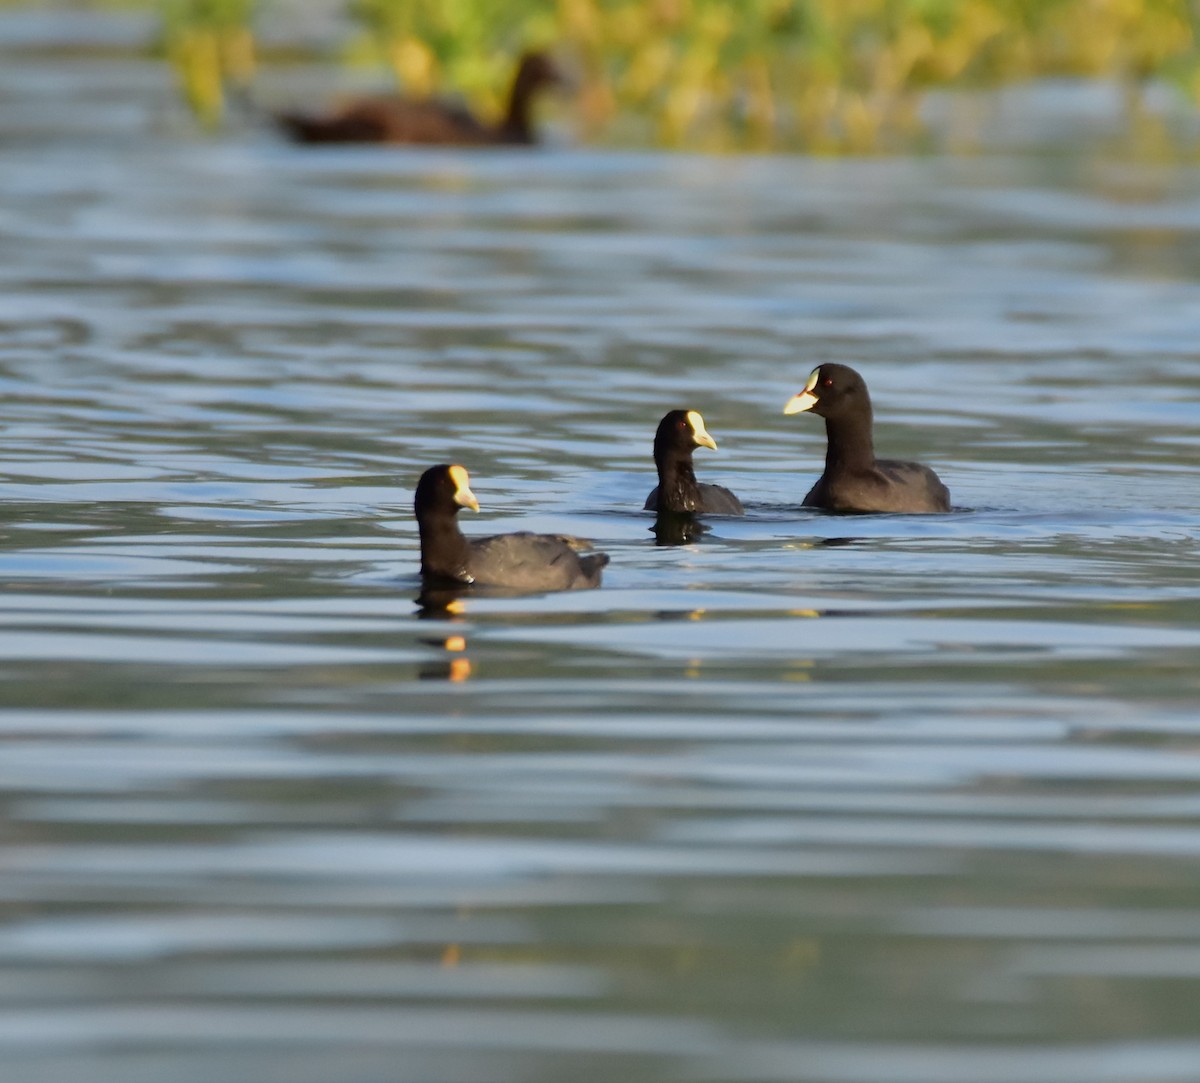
(430, 121)
(521, 561)
(854, 480)
(679, 434)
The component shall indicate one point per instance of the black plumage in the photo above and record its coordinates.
(854, 480)
(522, 561)
(429, 121)
(679, 434)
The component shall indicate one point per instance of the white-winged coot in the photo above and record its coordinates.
(854, 480)
(679, 434)
(522, 561)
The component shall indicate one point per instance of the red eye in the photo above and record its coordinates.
(681, 425)
(827, 382)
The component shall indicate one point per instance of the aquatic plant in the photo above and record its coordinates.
(833, 75)
(211, 47)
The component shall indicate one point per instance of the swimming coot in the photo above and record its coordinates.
(854, 480)
(522, 561)
(429, 121)
(679, 434)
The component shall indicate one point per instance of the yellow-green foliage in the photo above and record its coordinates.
(469, 45)
(826, 74)
(210, 44)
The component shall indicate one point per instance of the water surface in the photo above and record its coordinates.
(878, 799)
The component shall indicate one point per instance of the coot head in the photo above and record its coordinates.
(537, 70)
(832, 391)
(682, 430)
(445, 489)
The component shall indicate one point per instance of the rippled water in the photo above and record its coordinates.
(884, 799)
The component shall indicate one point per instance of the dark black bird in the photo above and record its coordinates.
(679, 434)
(429, 121)
(522, 561)
(854, 480)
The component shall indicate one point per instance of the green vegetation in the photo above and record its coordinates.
(829, 75)
(210, 44)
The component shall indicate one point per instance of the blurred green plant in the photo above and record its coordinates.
(211, 47)
(831, 75)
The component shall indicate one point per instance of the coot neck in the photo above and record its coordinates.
(445, 552)
(517, 126)
(677, 487)
(850, 444)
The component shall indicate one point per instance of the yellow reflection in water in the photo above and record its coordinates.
(798, 669)
(801, 954)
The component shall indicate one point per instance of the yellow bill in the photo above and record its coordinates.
(699, 432)
(805, 400)
(462, 488)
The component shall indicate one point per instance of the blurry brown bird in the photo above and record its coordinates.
(429, 121)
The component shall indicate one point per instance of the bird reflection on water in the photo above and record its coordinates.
(441, 602)
(453, 665)
(677, 528)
